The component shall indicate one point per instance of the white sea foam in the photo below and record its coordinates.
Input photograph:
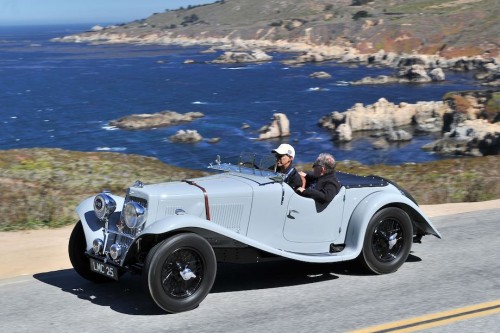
(200, 103)
(111, 148)
(109, 128)
(237, 68)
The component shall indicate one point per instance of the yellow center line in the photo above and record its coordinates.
(435, 319)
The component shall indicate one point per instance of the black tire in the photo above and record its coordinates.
(387, 242)
(81, 263)
(168, 261)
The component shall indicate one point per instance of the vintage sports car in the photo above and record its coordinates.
(174, 233)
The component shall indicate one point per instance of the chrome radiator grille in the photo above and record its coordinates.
(126, 230)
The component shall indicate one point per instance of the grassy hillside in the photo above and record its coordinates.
(449, 28)
(42, 187)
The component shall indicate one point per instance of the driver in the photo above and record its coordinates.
(285, 154)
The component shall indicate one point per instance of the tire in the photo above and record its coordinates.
(81, 263)
(381, 254)
(180, 272)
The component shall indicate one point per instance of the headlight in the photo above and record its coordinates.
(104, 206)
(134, 214)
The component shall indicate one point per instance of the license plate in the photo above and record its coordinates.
(104, 269)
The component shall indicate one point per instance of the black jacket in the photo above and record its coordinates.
(292, 177)
(322, 189)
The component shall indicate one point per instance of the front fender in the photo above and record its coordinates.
(92, 226)
(370, 205)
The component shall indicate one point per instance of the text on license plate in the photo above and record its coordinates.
(104, 269)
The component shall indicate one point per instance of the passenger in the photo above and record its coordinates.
(322, 183)
(285, 154)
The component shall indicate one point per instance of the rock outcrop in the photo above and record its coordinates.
(229, 57)
(279, 127)
(186, 136)
(384, 115)
(159, 119)
(411, 74)
(320, 75)
(471, 126)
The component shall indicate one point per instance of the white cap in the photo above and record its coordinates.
(285, 149)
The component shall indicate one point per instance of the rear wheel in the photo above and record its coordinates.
(76, 249)
(388, 241)
(179, 272)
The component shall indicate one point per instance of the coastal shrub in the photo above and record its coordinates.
(360, 2)
(360, 14)
(492, 107)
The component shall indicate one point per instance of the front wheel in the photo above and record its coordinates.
(76, 251)
(388, 241)
(179, 272)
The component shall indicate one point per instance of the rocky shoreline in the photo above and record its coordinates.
(470, 127)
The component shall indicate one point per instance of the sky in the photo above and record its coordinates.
(31, 12)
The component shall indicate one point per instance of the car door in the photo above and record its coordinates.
(304, 224)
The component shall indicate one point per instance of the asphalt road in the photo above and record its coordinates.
(460, 270)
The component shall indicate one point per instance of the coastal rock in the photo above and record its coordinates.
(279, 127)
(186, 136)
(380, 144)
(398, 136)
(343, 133)
(437, 74)
(472, 138)
(320, 75)
(230, 57)
(471, 126)
(159, 119)
(96, 28)
(380, 79)
(414, 73)
(385, 116)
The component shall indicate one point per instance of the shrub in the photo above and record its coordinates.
(360, 14)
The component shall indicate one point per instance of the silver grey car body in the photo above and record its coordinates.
(176, 231)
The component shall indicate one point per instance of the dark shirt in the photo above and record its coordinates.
(322, 189)
(292, 177)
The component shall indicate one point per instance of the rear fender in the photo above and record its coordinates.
(369, 206)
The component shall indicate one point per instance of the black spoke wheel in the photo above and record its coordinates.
(76, 250)
(388, 241)
(179, 272)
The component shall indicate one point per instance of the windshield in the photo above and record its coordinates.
(248, 163)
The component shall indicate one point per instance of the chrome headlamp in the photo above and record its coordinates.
(134, 215)
(104, 206)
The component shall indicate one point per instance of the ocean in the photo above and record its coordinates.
(63, 95)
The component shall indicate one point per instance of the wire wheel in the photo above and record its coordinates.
(179, 272)
(387, 241)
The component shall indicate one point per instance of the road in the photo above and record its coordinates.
(441, 275)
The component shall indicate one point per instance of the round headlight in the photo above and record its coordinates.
(97, 245)
(134, 214)
(104, 206)
(115, 251)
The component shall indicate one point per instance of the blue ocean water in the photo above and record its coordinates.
(63, 95)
